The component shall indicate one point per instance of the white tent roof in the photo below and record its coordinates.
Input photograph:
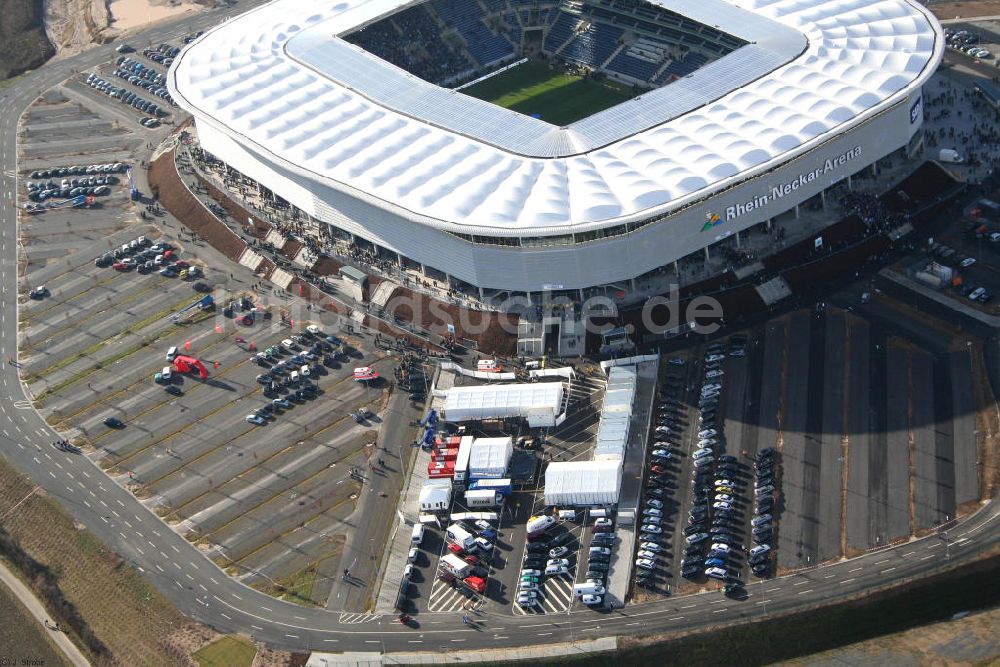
(491, 454)
(582, 482)
(433, 494)
(278, 81)
(502, 400)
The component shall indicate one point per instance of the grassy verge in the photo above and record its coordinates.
(22, 637)
(226, 652)
(297, 588)
(115, 616)
(974, 586)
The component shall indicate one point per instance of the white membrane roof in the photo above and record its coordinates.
(273, 80)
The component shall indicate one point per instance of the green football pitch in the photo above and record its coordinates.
(550, 94)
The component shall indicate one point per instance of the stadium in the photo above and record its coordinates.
(521, 146)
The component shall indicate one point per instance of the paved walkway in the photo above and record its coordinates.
(34, 606)
(495, 657)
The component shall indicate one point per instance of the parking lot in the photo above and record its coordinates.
(572, 440)
(270, 486)
(850, 403)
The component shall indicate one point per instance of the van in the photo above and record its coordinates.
(567, 515)
(598, 513)
(172, 353)
(293, 377)
(417, 536)
(588, 588)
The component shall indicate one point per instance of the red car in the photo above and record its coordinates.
(181, 264)
(168, 254)
(120, 266)
(471, 560)
(659, 470)
(454, 548)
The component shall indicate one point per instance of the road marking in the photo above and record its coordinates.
(808, 590)
(224, 615)
(676, 618)
(909, 553)
(885, 560)
(888, 569)
(846, 581)
(829, 576)
(927, 556)
(257, 627)
(718, 611)
(857, 569)
(801, 583)
(236, 596)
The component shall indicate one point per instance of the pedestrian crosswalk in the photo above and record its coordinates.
(348, 618)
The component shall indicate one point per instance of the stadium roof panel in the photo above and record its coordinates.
(277, 80)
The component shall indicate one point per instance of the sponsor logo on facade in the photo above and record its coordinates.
(780, 191)
(711, 220)
(915, 110)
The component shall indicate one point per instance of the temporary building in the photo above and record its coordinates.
(539, 403)
(583, 483)
(613, 428)
(489, 457)
(435, 495)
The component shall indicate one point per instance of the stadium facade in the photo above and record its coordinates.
(796, 96)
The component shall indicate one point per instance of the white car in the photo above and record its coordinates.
(703, 461)
(412, 555)
(603, 523)
(287, 344)
(968, 261)
(704, 451)
(483, 543)
(525, 586)
(714, 374)
(653, 502)
(760, 549)
(407, 572)
(719, 546)
(651, 546)
(652, 511)
(645, 563)
(716, 573)
(592, 600)
(530, 573)
(696, 538)
(662, 454)
(557, 562)
(707, 433)
(528, 597)
(646, 554)
(722, 505)
(724, 482)
(604, 551)
(676, 361)
(650, 528)
(714, 357)
(725, 498)
(760, 520)
(553, 571)
(707, 442)
(652, 520)
(304, 370)
(557, 552)
(482, 524)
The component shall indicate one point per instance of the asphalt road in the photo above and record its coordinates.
(201, 591)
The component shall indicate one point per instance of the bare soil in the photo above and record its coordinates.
(964, 10)
(23, 43)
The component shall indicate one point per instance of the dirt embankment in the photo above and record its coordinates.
(75, 25)
(23, 43)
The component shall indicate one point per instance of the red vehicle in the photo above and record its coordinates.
(168, 254)
(659, 470)
(120, 266)
(471, 560)
(181, 264)
(478, 584)
(454, 548)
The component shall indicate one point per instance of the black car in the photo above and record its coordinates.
(645, 582)
(174, 389)
(691, 571)
(534, 563)
(536, 548)
(113, 422)
(698, 527)
(599, 558)
(561, 540)
(761, 569)
(727, 458)
(598, 566)
(596, 575)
